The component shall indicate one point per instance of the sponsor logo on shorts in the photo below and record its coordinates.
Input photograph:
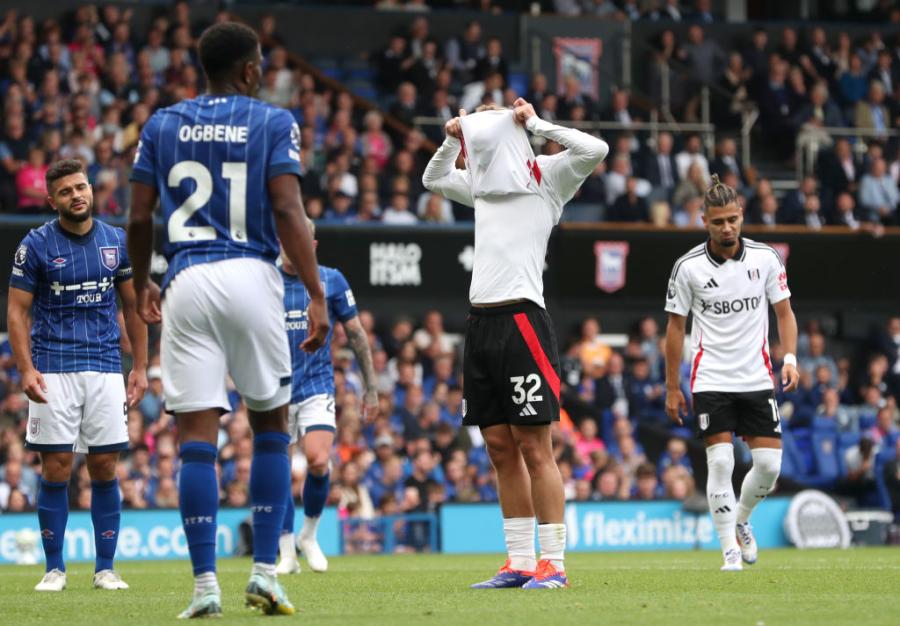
(35, 426)
(704, 420)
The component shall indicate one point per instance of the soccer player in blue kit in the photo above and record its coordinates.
(65, 276)
(225, 169)
(311, 416)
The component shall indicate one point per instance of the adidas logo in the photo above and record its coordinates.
(712, 284)
(724, 509)
(527, 410)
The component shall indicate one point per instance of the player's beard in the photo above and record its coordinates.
(82, 216)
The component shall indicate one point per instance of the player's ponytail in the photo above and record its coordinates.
(718, 194)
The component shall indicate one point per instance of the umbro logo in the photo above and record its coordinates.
(527, 411)
(711, 284)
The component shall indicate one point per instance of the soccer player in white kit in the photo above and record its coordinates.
(727, 283)
(511, 365)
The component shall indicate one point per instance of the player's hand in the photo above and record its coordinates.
(149, 303)
(34, 386)
(675, 405)
(317, 317)
(137, 385)
(790, 377)
(523, 111)
(453, 128)
(370, 404)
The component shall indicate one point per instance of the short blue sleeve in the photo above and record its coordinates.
(26, 264)
(144, 170)
(124, 272)
(284, 137)
(342, 302)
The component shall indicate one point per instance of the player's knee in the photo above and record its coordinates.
(720, 460)
(317, 461)
(767, 462)
(56, 467)
(501, 450)
(535, 453)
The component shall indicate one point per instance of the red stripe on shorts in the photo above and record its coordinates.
(537, 352)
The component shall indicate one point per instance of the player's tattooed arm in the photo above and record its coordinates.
(359, 343)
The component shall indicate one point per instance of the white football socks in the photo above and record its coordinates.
(286, 547)
(310, 528)
(552, 538)
(720, 493)
(759, 481)
(264, 568)
(519, 535)
(204, 582)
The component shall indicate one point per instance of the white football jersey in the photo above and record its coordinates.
(512, 229)
(730, 301)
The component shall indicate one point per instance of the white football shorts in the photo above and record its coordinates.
(314, 413)
(221, 318)
(85, 412)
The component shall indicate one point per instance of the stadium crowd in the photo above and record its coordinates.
(841, 430)
(84, 85)
(83, 88)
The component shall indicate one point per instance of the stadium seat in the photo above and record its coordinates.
(845, 442)
(358, 69)
(363, 89)
(825, 449)
(329, 67)
(518, 82)
(824, 425)
(791, 461)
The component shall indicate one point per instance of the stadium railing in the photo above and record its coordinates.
(809, 144)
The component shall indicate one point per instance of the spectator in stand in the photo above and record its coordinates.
(691, 189)
(884, 71)
(464, 51)
(892, 479)
(872, 114)
(393, 64)
(493, 61)
(397, 212)
(629, 207)
(878, 194)
(574, 96)
(30, 185)
(692, 153)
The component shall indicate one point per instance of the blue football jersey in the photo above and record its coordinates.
(74, 317)
(210, 159)
(313, 374)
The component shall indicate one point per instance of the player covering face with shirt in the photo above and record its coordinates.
(728, 283)
(511, 365)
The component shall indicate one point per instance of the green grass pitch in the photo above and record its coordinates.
(787, 587)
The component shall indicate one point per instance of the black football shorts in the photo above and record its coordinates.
(748, 414)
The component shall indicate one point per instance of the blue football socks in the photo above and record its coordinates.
(106, 512)
(198, 500)
(53, 513)
(270, 485)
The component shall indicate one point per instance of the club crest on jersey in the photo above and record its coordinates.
(21, 255)
(704, 420)
(611, 265)
(110, 257)
(753, 274)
